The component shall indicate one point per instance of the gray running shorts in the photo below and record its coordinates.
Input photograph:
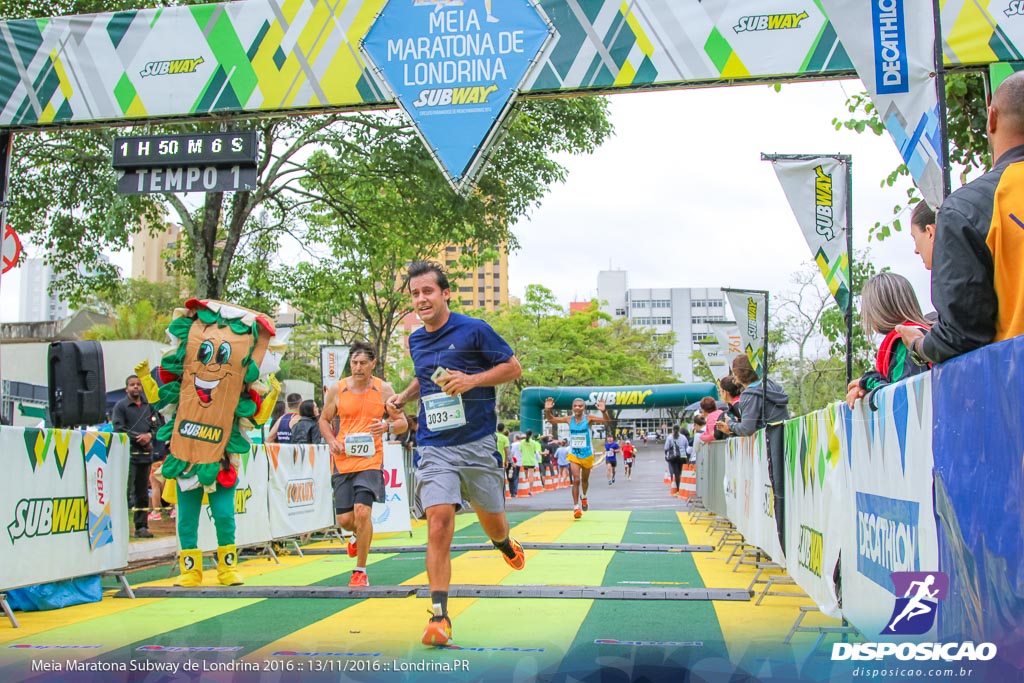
(447, 475)
(345, 486)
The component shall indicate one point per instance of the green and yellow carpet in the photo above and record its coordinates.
(522, 639)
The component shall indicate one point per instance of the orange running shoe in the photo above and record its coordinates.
(352, 550)
(584, 503)
(358, 580)
(518, 559)
(577, 513)
(438, 631)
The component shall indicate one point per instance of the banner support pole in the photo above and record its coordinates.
(849, 256)
(940, 93)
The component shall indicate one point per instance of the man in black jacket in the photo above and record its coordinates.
(977, 275)
(136, 418)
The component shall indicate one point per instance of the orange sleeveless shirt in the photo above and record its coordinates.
(356, 412)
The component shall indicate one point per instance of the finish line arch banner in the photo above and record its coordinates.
(63, 508)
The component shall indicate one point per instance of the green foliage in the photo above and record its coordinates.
(966, 116)
(810, 339)
(556, 350)
(138, 320)
(378, 201)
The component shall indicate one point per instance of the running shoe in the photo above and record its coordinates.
(155, 516)
(438, 631)
(174, 513)
(518, 559)
(352, 551)
(583, 504)
(576, 512)
(358, 580)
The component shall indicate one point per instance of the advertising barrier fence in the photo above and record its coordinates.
(64, 505)
(860, 486)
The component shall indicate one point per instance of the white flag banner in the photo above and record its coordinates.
(728, 335)
(332, 364)
(750, 308)
(816, 188)
(891, 44)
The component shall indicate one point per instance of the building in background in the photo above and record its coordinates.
(153, 255)
(37, 304)
(684, 311)
(485, 288)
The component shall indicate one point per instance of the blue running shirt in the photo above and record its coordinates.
(578, 429)
(468, 345)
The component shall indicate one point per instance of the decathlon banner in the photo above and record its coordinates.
(890, 516)
(62, 505)
(393, 513)
(333, 360)
(891, 43)
(301, 498)
(816, 188)
(252, 520)
(455, 68)
(750, 308)
(749, 497)
(817, 486)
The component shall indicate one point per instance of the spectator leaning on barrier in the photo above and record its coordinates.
(709, 407)
(888, 300)
(755, 393)
(978, 257)
(730, 391)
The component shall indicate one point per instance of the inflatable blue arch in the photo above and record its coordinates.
(531, 400)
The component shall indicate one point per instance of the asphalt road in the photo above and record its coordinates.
(645, 491)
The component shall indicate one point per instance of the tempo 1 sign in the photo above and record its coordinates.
(188, 162)
(187, 179)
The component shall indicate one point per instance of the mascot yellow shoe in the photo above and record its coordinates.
(227, 563)
(191, 564)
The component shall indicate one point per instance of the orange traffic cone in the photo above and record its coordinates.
(668, 477)
(508, 492)
(688, 482)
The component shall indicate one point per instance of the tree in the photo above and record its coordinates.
(556, 350)
(966, 121)
(809, 338)
(132, 321)
(374, 211)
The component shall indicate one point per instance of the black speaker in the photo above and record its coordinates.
(78, 390)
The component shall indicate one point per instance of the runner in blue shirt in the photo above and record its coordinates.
(611, 457)
(458, 360)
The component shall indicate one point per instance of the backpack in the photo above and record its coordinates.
(673, 452)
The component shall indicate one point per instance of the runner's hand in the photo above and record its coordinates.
(379, 427)
(455, 383)
(393, 403)
(337, 448)
(549, 403)
(601, 405)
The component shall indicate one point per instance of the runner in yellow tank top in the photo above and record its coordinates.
(357, 449)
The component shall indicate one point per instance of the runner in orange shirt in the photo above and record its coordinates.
(357, 450)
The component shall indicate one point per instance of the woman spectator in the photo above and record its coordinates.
(730, 392)
(709, 408)
(755, 395)
(677, 447)
(888, 300)
(307, 429)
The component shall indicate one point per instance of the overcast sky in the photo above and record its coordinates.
(680, 198)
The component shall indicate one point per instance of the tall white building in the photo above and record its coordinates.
(37, 304)
(684, 311)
